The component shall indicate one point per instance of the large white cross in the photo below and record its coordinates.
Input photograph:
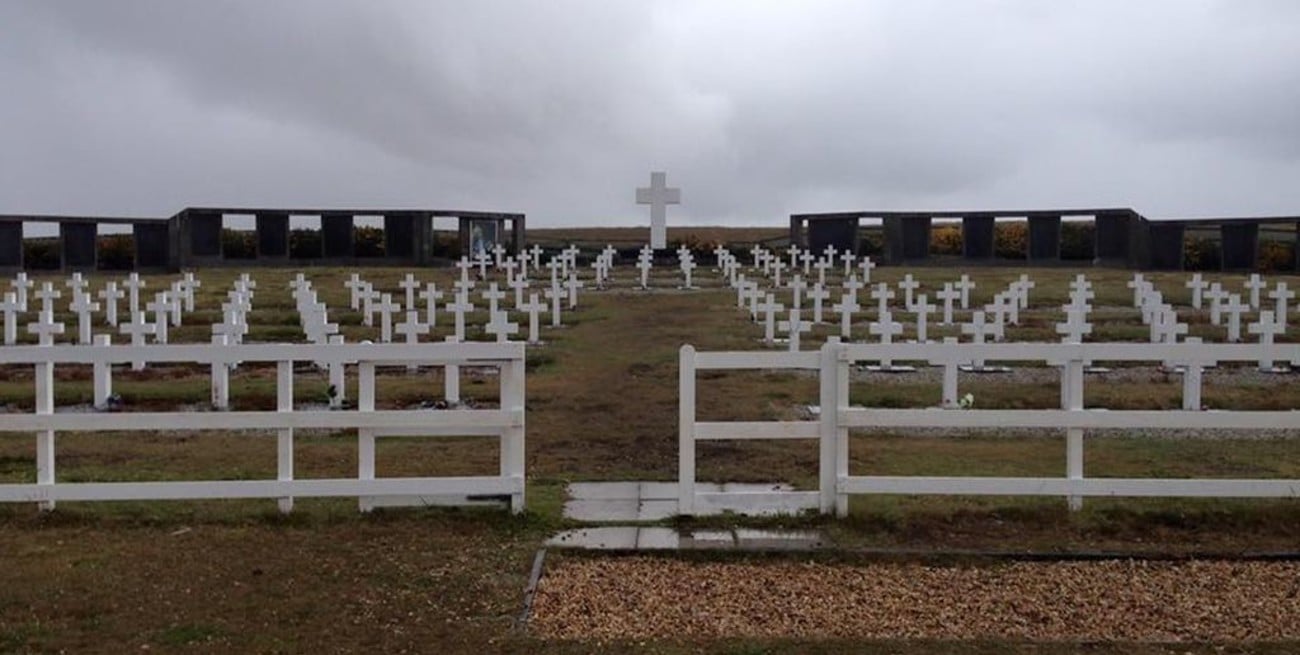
(1198, 287)
(493, 296)
(410, 285)
(501, 326)
(948, 294)
(658, 195)
(908, 285)
(794, 327)
(847, 305)
(1254, 284)
(818, 294)
(1266, 328)
(534, 308)
(386, 308)
(1281, 295)
(769, 307)
(9, 308)
(45, 328)
(923, 309)
(1235, 308)
(110, 295)
(83, 306)
(964, 285)
(458, 308)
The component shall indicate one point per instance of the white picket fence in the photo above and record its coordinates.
(505, 423)
(837, 418)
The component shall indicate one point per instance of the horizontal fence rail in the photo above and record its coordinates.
(505, 423)
(835, 360)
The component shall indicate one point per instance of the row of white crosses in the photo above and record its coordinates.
(416, 322)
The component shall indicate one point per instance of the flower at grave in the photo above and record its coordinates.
(967, 401)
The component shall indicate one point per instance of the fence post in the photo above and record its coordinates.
(284, 441)
(950, 368)
(451, 379)
(220, 376)
(834, 443)
(686, 431)
(103, 373)
(45, 438)
(337, 370)
(1072, 398)
(1192, 378)
(365, 436)
(512, 439)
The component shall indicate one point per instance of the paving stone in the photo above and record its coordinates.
(607, 538)
(657, 539)
(604, 490)
(623, 509)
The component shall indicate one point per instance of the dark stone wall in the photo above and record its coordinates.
(1165, 241)
(841, 233)
(205, 234)
(1240, 246)
(152, 245)
(11, 244)
(273, 234)
(1112, 237)
(399, 236)
(1044, 238)
(336, 232)
(78, 241)
(977, 237)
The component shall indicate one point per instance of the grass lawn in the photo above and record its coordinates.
(602, 405)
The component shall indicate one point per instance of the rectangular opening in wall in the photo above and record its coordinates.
(1011, 237)
(1078, 238)
(946, 237)
(305, 237)
(1201, 248)
(445, 244)
(41, 248)
(115, 245)
(368, 236)
(1276, 247)
(239, 236)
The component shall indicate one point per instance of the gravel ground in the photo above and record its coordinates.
(1129, 601)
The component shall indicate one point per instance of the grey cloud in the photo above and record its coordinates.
(560, 108)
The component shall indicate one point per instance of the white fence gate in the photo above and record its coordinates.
(836, 418)
(506, 423)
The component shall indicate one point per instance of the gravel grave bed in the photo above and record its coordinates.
(1112, 600)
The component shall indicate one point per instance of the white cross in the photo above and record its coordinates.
(465, 267)
(797, 287)
(688, 264)
(886, 328)
(852, 286)
(1216, 295)
(492, 295)
(882, 294)
(498, 251)
(137, 328)
(47, 296)
(807, 259)
(645, 262)
(161, 308)
(458, 308)
(1235, 308)
(133, 285)
(846, 307)
(908, 285)
(818, 294)
(509, 266)
(572, 285)
(232, 326)
(110, 295)
(76, 283)
(534, 307)
(777, 267)
(176, 296)
(1165, 327)
(412, 327)
(1281, 295)
(965, 286)
(770, 307)
(386, 308)
(1138, 284)
(1267, 327)
(354, 285)
(21, 284)
(368, 297)
(410, 285)
(821, 266)
(1198, 286)
(536, 252)
(793, 251)
(500, 326)
(757, 253)
(658, 195)
(866, 265)
(1074, 327)
(948, 294)
(1254, 284)
(923, 309)
(847, 257)
(978, 329)
(794, 327)
(10, 310)
(554, 294)
(45, 328)
(431, 295)
(188, 285)
(1025, 285)
(481, 259)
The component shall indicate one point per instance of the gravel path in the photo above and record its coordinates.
(1136, 601)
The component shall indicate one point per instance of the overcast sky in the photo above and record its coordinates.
(560, 109)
